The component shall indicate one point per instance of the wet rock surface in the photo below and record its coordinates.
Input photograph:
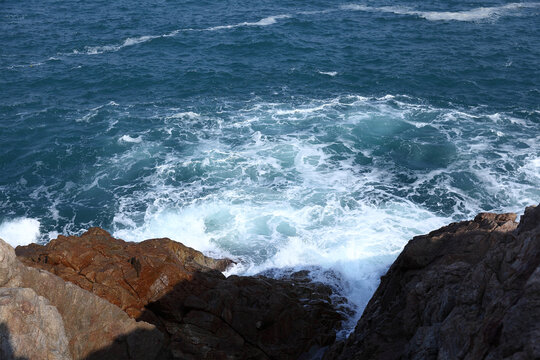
(470, 290)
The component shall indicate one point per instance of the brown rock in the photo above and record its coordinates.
(470, 290)
(129, 275)
(30, 327)
(203, 314)
(90, 323)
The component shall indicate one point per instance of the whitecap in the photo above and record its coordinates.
(264, 183)
(475, 14)
(20, 231)
(329, 73)
(129, 139)
(95, 50)
(184, 114)
(270, 20)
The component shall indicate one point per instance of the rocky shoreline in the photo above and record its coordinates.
(470, 290)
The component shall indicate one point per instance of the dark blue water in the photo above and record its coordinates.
(282, 134)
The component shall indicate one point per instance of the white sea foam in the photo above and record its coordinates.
(34, 64)
(270, 20)
(184, 114)
(20, 231)
(94, 111)
(277, 201)
(95, 50)
(129, 139)
(475, 14)
(329, 73)
(286, 185)
(531, 168)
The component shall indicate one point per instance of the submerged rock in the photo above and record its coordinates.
(470, 290)
(202, 314)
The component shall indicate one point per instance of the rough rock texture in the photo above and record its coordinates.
(88, 322)
(203, 314)
(38, 327)
(247, 317)
(129, 275)
(470, 290)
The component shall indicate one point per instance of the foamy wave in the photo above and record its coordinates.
(270, 20)
(184, 114)
(94, 111)
(129, 139)
(20, 231)
(475, 14)
(273, 201)
(360, 245)
(339, 183)
(95, 50)
(329, 73)
(34, 64)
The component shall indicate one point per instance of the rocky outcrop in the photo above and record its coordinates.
(202, 314)
(129, 275)
(37, 326)
(470, 290)
(247, 317)
(44, 317)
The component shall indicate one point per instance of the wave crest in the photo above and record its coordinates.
(476, 14)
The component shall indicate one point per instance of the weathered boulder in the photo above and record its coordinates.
(129, 275)
(30, 327)
(203, 314)
(470, 290)
(89, 322)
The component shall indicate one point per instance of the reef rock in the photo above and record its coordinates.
(470, 290)
(203, 314)
(44, 317)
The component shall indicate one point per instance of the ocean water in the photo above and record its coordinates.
(286, 135)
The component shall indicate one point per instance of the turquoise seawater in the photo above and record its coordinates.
(283, 134)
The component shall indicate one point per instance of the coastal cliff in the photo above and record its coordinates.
(470, 290)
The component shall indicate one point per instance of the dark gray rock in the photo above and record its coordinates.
(470, 290)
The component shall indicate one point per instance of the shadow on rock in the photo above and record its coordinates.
(202, 314)
(213, 317)
(245, 317)
(6, 350)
